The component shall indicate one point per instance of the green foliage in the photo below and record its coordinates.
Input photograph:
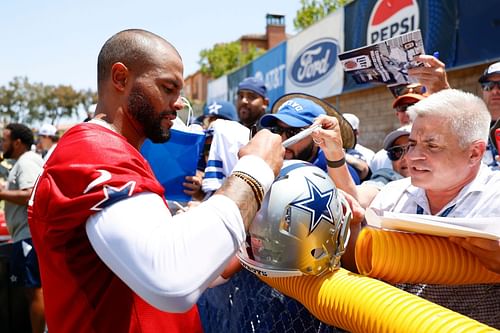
(25, 102)
(225, 57)
(312, 11)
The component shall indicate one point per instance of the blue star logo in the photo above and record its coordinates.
(317, 204)
(113, 194)
(214, 108)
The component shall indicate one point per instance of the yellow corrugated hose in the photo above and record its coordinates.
(398, 257)
(361, 304)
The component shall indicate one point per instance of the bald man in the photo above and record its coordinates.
(112, 258)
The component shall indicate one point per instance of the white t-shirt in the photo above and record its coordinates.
(22, 176)
(380, 161)
(367, 153)
(228, 137)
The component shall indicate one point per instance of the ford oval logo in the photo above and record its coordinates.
(314, 62)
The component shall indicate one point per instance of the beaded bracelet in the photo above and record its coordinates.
(336, 164)
(254, 184)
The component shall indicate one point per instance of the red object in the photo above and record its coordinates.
(497, 138)
(81, 293)
(350, 64)
(4, 232)
(388, 8)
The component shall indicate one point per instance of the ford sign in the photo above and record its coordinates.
(314, 62)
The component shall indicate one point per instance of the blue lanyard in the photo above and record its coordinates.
(420, 211)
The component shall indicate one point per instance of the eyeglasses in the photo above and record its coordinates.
(289, 131)
(397, 152)
(403, 89)
(403, 108)
(489, 85)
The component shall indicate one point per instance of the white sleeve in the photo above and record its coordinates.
(168, 261)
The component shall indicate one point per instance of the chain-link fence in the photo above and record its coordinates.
(246, 304)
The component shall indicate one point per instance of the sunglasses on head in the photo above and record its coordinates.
(489, 85)
(289, 131)
(397, 152)
(403, 89)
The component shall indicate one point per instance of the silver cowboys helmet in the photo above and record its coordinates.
(302, 227)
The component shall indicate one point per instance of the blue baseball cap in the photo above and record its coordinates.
(295, 112)
(348, 137)
(253, 84)
(220, 109)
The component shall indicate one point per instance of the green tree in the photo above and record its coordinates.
(22, 101)
(59, 102)
(225, 57)
(312, 11)
(17, 100)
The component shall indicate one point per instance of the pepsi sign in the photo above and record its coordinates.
(314, 62)
(390, 18)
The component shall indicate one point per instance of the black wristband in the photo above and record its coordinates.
(336, 164)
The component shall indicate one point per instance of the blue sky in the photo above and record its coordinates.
(57, 41)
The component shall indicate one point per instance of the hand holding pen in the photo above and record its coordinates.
(300, 136)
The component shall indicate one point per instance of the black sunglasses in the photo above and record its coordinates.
(403, 89)
(289, 131)
(397, 152)
(403, 108)
(489, 85)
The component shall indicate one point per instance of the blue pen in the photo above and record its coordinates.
(436, 54)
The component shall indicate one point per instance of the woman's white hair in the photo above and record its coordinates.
(467, 114)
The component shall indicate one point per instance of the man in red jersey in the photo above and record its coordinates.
(112, 258)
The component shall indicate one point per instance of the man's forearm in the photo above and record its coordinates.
(247, 185)
(241, 193)
(18, 197)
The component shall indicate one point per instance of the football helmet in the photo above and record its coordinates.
(302, 227)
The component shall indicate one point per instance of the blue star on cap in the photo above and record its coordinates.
(318, 204)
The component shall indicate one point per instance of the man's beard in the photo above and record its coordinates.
(305, 154)
(141, 109)
(8, 153)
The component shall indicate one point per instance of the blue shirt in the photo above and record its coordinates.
(320, 162)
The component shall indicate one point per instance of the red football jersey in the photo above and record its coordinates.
(92, 167)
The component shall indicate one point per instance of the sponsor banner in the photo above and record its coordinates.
(234, 78)
(312, 58)
(372, 21)
(271, 68)
(390, 19)
(217, 89)
(478, 26)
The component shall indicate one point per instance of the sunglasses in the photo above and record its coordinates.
(397, 152)
(403, 108)
(403, 89)
(489, 85)
(288, 131)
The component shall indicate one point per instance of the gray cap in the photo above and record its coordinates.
(394, 135)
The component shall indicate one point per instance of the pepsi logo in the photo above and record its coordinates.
(390, 18)
(314, 62)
